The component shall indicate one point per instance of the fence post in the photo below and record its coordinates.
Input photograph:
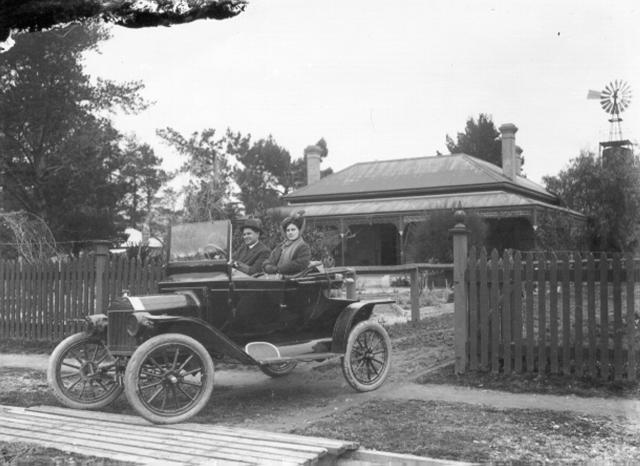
(415, 296)
(350, 286)
(460, 233)
(101, 258)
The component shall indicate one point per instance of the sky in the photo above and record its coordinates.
(382, 80)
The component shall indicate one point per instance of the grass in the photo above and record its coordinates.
(16, 346)
(533, 383)
(456, 431)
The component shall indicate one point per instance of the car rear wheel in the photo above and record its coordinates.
(169, 378)
(83, 373)
(367, 358)
(279, 370)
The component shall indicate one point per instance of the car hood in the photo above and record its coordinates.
(163, 302)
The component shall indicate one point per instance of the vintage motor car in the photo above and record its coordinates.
(160, 349)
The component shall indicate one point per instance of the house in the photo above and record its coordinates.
(374, 205)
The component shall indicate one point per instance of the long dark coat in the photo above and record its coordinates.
(250, 260)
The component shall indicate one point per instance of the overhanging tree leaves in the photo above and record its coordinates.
(608, 194)
(480, 139)
(59, 156)
(36, 15)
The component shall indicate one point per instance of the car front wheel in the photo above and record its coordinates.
(367, 358)
(169, 378)
(83, 373)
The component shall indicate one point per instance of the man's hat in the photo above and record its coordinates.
(254, 223)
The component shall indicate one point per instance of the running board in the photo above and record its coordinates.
(268, 353)
(301, 358)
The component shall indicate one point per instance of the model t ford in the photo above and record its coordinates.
(160, 349)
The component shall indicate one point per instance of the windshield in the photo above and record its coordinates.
(200, 241)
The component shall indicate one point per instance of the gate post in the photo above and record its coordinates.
(101, 261)
(460, 314)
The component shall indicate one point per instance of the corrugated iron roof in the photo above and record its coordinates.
(451, 173)
(419, 204)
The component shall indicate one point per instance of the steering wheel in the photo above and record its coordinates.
(213, 251)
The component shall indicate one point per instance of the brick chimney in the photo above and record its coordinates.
(312, 156)
(510, 159)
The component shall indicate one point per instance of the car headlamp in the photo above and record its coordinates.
(137, 322)
(96, 323)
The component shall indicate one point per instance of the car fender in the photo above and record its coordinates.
(351, 315)
(210, 337)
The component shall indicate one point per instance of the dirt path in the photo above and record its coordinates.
(245, 396)
(625, 411)
(243, 382)
(622, 409)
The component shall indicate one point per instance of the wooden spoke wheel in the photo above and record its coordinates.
(83, 373)
(367, 358)
(169, 378)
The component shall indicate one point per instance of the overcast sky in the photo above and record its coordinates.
(383, 80)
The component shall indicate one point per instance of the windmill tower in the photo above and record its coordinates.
(614, 99)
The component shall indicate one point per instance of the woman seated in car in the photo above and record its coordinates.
(293, 255)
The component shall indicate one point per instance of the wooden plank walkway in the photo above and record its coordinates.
(131, 438)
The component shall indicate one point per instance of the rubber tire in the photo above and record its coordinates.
(347, 369)
(138, 358)
(272, 370)
(53, 370)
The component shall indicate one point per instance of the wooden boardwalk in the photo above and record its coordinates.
(131, 438)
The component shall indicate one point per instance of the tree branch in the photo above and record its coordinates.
(36, 15)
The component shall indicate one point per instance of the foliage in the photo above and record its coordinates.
(608, 194)
(430, 241)
(257, 173)
(165, 211)
(208, 193)
(298, 172)
(324, 242)
(557, 232)
(60, 156)
(266, 172)
(480, 139)
(263, 175)
(142, 178)
(36, 15)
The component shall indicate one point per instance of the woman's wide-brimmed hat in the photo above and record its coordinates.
(254, 223)
(297, 219)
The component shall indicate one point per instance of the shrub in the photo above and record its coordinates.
(431, 241)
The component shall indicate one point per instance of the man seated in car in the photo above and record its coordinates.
(252, 254)
(293, 255)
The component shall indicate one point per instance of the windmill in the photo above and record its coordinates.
(614, 99)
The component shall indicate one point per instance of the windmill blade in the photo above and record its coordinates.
(608, 90)
(591, 94)
(606, 106)
(625, 87)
